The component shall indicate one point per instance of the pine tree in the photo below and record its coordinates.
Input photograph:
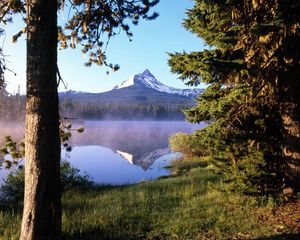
(3, 101)
(252, 69)
(91, 22)
(2, 64)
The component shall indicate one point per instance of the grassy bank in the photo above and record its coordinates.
(189, 205)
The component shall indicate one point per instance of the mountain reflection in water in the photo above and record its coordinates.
(122, 152)
(106, 166)
(146, 160)
(104, 145)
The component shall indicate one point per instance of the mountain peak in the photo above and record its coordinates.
(147, 80)
(147, 72)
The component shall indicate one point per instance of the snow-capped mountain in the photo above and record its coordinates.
(140, 97)
(147, 80)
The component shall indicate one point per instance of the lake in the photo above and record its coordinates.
(119, 152)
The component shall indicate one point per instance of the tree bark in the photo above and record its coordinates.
(42, 206)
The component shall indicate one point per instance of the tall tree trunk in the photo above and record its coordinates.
(42, 206)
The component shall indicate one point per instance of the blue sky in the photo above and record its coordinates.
(148, 50)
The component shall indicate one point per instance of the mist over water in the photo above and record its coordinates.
(130, 136)
(13, 129)
(117, 152)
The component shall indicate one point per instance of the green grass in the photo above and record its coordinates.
(188, 205)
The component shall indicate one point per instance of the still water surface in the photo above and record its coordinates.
(120, 152)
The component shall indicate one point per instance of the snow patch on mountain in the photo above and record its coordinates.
(146, 79)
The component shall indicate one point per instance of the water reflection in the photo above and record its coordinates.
(121, 152)
(146, 160)
(110, 167)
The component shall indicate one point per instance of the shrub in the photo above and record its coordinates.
(187, 144)
(72, 178)
(12, 190)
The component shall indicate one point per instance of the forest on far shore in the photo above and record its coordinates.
(12, 106)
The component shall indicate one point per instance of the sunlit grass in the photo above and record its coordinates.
(190, 205)
(10, 222)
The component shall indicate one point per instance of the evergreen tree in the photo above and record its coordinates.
(3, 101)
(2, 64)
(92, 21)
(252, 69)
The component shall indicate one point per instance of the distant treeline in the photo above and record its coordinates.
(12, 108)
(126, 111)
